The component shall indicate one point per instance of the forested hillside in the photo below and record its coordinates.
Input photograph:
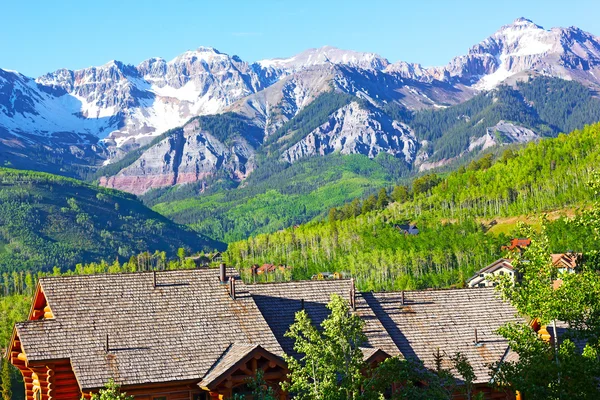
(453, 214)
(277, 197)
(48, 221)
(277, 194)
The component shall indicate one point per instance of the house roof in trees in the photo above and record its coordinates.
(490, 269)
(517, 244)
(172, 331)
(568, 261)
(446, 320)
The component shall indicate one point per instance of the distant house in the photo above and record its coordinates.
(199, 261)
(502, 266)
(268, 268)
(217, 257)
(327, 275)
(517, 244)
(408, 229)
(565, 262)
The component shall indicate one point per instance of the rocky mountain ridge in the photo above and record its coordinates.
(99, 114)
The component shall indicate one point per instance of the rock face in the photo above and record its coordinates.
(355, 130)
(514, 51)
(189, 154)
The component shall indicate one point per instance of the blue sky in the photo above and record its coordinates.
(42, 36)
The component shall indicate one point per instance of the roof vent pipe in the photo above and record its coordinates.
(154, 279)
(402, 299)
(352, 294)
(476, 338)
(302, 304)
(232, 287)
(222, 273)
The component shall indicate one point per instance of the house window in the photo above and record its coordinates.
(482, 285)
(501, 273)
(481, 275)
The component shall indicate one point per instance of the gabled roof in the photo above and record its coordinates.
(172, 332)
(235, 355)
(566, 260)
(491, 268)
(446, 320)
(188, 328)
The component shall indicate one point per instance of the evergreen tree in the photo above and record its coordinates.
(382, 199)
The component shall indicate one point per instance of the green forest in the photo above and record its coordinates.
(48, 220)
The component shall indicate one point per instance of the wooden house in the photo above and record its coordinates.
(566, 262)
(517, 244)
(408, 229)
(185, 335)
(501, 266)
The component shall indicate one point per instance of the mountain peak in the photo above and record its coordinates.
(327, 55)
(522, 23)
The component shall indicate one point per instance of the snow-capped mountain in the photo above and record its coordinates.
(515, 51)
(156, 95)
(325, 55)
(97, 115)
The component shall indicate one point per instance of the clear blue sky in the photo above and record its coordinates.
(41, 36)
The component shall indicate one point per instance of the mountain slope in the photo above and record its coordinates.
(452, 215)
(303, 152)
(47, 221)
(98, 114)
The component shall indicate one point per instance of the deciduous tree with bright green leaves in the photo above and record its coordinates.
(111, 392)
(570, 366)
(331, 364)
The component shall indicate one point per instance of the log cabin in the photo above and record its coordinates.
(199, 334)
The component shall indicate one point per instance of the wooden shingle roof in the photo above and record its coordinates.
(446, 320)
(188, 328)
(172, 332)
(279, 303)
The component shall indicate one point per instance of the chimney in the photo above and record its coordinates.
(232, 287)
(222, 273)
(352, 295)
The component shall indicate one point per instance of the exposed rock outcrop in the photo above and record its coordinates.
(189, 154)
(355, 130)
